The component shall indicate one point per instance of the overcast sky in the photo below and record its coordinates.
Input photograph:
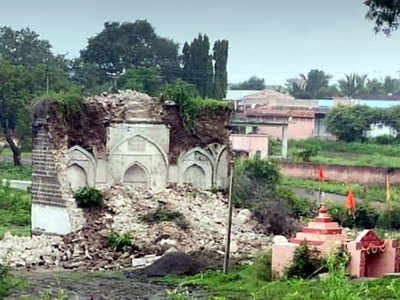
(272, 39)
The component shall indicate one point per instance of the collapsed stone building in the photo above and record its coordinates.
(127, 138)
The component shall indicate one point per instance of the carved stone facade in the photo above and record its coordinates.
(137, 153)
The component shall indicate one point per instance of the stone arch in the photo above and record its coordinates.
(221, 168)
(164, 155)
(136, 175)
(147, 154)
(77, 177)
(77, 156)
(199, 159)
(195, 175)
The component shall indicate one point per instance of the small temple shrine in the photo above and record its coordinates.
(369, 255)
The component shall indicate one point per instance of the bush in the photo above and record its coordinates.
(262, 266)
(366, 216)
(389, 218)
(88, 197)
(305, 263)
(309, 151)
(120, 242)
(163, 215)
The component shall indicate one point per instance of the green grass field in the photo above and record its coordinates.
(371, 192)
(341, 153)
(245, 282)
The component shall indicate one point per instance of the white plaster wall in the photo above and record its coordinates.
(159, 133)
(50, 219)
(196, 157)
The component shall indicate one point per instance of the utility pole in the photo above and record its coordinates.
(229, 221)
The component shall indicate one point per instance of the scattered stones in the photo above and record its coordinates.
(89, 248)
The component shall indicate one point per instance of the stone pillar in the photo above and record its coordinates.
(284, 141)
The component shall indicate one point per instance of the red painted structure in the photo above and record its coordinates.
(369, 255)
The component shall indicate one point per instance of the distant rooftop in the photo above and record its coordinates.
(238, 94)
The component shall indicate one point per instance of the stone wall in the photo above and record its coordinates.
(340, 173)
(127, 138)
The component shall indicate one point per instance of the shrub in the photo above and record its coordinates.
(389, 218)
(162, 215)
(305, 263)
(309, 151)
(366, 216)
(262, 266)
(88, 197)
(120, 242)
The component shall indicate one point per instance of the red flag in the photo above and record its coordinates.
(351, 203)
(320, 174)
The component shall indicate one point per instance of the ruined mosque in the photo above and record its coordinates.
(127, 138)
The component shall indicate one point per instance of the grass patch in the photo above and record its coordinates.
(242, 284)
(14, 211)
(370, 192)
(163, 215)
(355, 153)
(11, 172)
(8, 152)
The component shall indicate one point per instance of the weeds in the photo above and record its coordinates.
(120, 243)
(88, 197)
(163, 215)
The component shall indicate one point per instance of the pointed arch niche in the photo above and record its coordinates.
(196, 167)
(81, 168)
(137, 155)
(136, 175)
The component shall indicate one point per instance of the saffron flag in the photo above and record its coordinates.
(320, 174)
(351, 203)
(388, 195)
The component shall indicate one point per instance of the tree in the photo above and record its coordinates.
(253, 83)
(391, 86)
(374, 87)
(349, 123)
(23, 48)
(353, 85)
(197, 65)
(313, 86)
(14, 95)
(220, 72)
(384, 13)
(129, 45)
(142, 79)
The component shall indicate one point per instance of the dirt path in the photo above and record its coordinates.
(85, 286)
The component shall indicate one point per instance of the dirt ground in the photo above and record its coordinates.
(89, 285)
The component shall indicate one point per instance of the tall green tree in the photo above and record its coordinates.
(353, 85)
(129, 45)
(142, 79)
(24, 55)
(15, 93)
(198, 66)
(313, 86)
(374, 87)
(220, 69)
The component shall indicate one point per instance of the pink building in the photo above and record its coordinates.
(252, 144)
(369, 255)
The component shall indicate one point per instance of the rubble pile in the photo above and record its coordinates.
(29, 252)
(205, 212)
(126, 105)
(88, 249)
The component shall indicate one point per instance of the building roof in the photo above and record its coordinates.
(238, 94)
